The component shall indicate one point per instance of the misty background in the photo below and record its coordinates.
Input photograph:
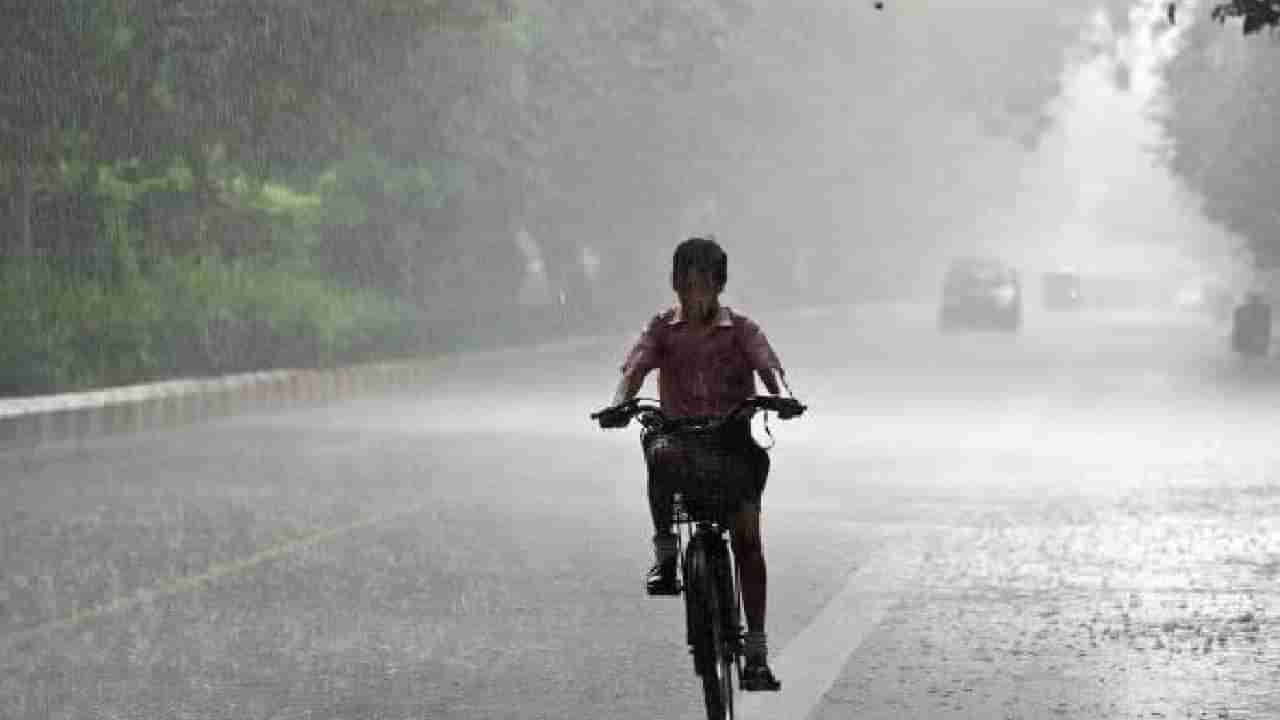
(194, 189)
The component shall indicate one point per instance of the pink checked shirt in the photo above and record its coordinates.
(702, 375)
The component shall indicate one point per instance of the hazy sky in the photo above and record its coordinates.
(857, 146)
(890, 147)
(1096, 193)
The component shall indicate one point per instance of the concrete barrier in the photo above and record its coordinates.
(33, 422)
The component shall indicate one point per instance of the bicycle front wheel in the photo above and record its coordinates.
(717, 685)
(713, 648)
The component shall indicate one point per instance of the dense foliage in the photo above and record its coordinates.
(1256, 15)
(1224, 108)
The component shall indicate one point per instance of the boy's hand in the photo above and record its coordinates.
(790, 407)
(612, 417)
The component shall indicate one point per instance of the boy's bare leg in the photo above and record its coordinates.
(750, 555)
(661, 579)
(756, 675)
(661, 505)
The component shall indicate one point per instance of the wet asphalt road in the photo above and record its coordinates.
(1077, 522)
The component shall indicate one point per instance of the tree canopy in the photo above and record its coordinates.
(1256, 15)
(1223, 111)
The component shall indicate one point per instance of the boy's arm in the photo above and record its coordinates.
(628, 386)
(644, 356)
(763, 358)
(770, 380)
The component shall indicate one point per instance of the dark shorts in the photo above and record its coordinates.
(677, 462)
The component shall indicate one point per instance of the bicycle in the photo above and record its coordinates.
(703, 508)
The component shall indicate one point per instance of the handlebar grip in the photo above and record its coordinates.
(785, 407)
(625, 407)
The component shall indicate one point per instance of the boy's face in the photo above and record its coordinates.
(700, 297)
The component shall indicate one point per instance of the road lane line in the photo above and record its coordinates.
(174, 586)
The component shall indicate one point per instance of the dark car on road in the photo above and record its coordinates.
(980, 293)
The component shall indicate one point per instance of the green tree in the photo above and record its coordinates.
(275, 89)
(1256, 15)
(1224, 107)
(68, 71)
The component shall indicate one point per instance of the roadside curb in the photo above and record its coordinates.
(39, 421)
(34, 422)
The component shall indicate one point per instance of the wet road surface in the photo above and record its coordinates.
(1076, 522)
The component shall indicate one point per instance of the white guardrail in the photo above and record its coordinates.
(33, 422)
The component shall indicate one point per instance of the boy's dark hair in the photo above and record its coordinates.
(699, 255)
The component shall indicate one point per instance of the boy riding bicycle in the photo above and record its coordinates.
(706, 355)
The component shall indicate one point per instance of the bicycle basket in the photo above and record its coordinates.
(708, 473)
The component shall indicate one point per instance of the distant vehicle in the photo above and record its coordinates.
(1251, 326)
(980, 293)
(1208, 296)
(1060, 290)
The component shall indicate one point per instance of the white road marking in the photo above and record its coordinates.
(813, 660)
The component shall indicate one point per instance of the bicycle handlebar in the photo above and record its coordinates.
(786, 408)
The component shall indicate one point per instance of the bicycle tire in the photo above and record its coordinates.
(731, 641)
(698, 620)
(719, 696)
(727, 641)
(714, 657)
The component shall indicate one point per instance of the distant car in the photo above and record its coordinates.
(1061, 290)
(1207, 296)
(1251, 326)
(980, 293)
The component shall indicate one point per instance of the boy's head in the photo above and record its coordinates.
(699, 259)
(699, 271)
